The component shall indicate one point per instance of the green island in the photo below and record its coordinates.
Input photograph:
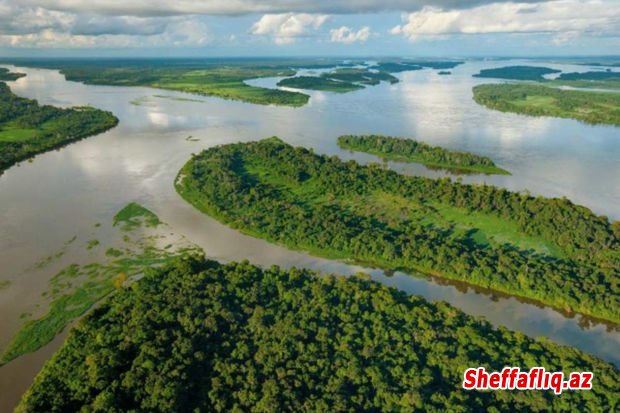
(544, 249)
(6, 75)
(27, 128)
(76, 288)
(198, 336)
(319, 83)
(407, 65)
(538, 100)
(408, 150)
(599, 79)
(517, 72)
(340, 80)
(223, 82)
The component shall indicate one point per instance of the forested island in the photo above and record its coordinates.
(408, 150)
(407, 65)
(517, 72)
(548, 250)
(197, 335)
(537, 100)
(319, 83)
(223, 82)
(6, 75)
(340, 80)
(27, 128)
(598, 79)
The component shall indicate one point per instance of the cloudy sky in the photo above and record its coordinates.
(308, 27)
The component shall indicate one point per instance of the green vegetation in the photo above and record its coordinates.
(4, 284)
(223, 82)
(407, 150)
(92, 244)
(444, 72)
(339, 80)
(199, 336)
(27, 129)
(517, 72)
(403, 66)
(536, 100)
(548, 250)
(598, 79)
(6, 75)
(319, 83)
(76, 288)
(134, 215)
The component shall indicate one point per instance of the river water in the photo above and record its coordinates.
(62, 194)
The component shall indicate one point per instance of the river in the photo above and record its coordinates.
(62, 194)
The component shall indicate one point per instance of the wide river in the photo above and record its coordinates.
(63, 193)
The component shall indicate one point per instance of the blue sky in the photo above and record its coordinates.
(297, 28)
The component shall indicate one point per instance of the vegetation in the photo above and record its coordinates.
(199, 336)
(548, 250)
(223, 82)
(444, 72)
(77, 288)
(537, 100)
(319, 83)
(402, 66)
(598, 79)
(6, 75)
(517, 72)
(27, 128)
(134, 215)
(408, 150)
(339, 80)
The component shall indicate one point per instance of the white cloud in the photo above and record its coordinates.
(286, 28)
(347, 35)
(237, 7)
(559, 16)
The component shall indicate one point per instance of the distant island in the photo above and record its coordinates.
(407, 65)
(537, 100)
(444, 72)
(200, 336)
(485, 236)
(407, 150)
(27, 128)
(517, 72)
(6, 75)
(341, 80)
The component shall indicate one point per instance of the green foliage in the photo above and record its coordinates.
(340, 80)
(221, 81)
(538, 100)
(26, 128)
(7, 75)
(517, 72)
(4, 284)
(408, 150)
(319, 83)
(134, 215)
(406, 65)
(329, 207)
(199, 336)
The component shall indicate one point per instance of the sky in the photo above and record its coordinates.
(203, 28)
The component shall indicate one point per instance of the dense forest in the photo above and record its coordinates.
(340, 80)
(407, 65)
(551, 250)
(319, 83)
(6, 75)
(199, 336)
(408, 150)
(27, 128)
(537, 100)
(517, 72)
